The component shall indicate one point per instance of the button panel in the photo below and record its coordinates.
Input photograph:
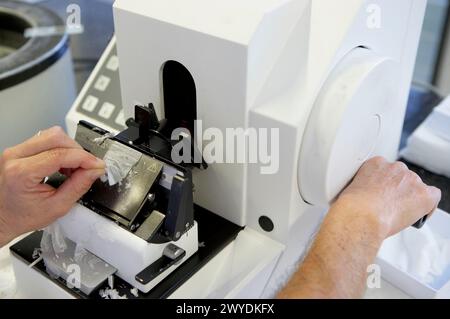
(90, 103)
(106, 110)
(103, 100)
(102, 83)
(113, 63)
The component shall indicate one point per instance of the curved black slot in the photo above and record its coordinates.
(180, 97)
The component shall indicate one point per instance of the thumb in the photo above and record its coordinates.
(75, 187)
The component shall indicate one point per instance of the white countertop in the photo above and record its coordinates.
(8, 290)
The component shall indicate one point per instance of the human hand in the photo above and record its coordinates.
(391, 194)
(26, 204)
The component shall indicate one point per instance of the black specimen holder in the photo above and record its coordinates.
(160, 210)
(161, 206)
(149, 202)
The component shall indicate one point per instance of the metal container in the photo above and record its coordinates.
(37, 84)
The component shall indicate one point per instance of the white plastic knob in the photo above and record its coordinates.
(347, 125)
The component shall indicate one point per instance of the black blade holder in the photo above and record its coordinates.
(147, 121)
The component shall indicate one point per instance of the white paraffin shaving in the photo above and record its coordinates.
(109, 293)
(101, 139)
(80, 254)
(134, 292)
(421, 253)
(119, 161)
(53, 239)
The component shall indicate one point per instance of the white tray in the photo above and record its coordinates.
(439, 224)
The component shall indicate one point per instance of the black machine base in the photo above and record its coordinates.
(214, 233)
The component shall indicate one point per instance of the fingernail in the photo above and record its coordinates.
(100, 163)
(96, 173)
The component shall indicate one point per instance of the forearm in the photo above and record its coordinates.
(5, 238)
(336, 266)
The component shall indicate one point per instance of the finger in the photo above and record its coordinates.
(54, 137)
(74, 188)
(415, 177)
(435, 197)
(376, 162)
(372, 165)
(400, 167)
(37, 167)
(431, 196)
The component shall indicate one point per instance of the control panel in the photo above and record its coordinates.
(100, 100)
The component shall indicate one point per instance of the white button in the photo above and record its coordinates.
(107, 110)
(102, 83)
(90, 103)
(121, 118)
(113, 63)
